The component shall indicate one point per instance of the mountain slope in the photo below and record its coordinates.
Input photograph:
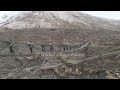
(7, 17)
(99, 60)
(60, 19)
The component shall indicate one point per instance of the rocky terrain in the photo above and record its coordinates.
(90, 46)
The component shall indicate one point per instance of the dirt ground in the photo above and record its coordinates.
(40, 67)
(101, 60)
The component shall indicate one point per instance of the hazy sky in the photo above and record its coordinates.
(104, 14)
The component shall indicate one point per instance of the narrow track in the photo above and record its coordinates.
(94, 57)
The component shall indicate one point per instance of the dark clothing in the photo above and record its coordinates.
(59, 48)
(31, 50)
(11, 49)
(65, 47)
(43, 48)
(51, 48)
(70, 47)
(30, 47)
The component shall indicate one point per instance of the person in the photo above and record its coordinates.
(59, 47)
(11, 49)
(51, 48)
(43, 48)
(70, 47)
(10, 46)
(30, 47)
(65, 47)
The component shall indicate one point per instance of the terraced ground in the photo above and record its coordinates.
(100, 59)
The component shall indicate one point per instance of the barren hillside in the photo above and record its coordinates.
(60, 19)
(76, 46)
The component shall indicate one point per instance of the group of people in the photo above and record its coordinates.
(10, 46)
(60, 47)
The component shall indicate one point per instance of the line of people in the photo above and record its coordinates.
(45, 47)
